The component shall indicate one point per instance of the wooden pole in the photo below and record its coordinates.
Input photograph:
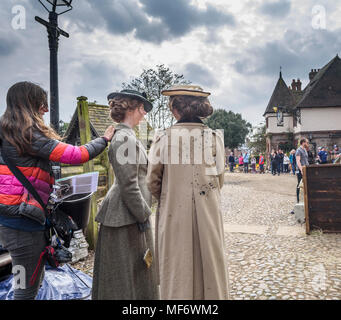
(85, 136)
(110, 173)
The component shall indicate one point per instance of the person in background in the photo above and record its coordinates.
(253, 164)
(323, 155)
(338, 159)
(302, 161)
(261, 163)
(311, 158)
(270, 158)
(318, 157)
(33, 147)
(274, 163)
(334, 153)
(231, 161)
(278, 160)
(292, 159)
(286, 162)
(246, 162)
(281, 160)
(241, 162)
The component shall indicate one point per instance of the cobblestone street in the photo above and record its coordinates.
(269, 256)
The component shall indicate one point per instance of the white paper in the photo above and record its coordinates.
(79, 184)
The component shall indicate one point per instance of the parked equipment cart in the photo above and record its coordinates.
(322, 197)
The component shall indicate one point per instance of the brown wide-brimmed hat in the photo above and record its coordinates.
(185, 90)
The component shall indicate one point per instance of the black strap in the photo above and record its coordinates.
(24, 181)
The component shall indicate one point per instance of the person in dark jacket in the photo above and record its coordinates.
(32, 146)
(231, 162)
(278, 160)
(275, 162)
(281, 160)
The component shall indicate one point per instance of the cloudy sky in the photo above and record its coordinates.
(232, 48)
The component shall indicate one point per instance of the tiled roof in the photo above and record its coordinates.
(324, 90)
(100, 117)
(297, 96)
(99, 120)
(281, 97)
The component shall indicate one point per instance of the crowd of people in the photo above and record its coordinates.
(280, 161)
(246, 162)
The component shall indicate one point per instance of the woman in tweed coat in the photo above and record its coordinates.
(120, 272)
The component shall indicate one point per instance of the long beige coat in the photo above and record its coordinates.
(189, 226)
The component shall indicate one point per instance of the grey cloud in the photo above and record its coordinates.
(121, 16)
(98, 78)
(151, 20)
(279, 8)
(154, 21)
(181, 17)
(297, 53)
(7, 46)
(200, 75)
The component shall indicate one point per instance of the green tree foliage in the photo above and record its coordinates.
(63, 126)
(153, 82)
(257, 140)
(235, 127)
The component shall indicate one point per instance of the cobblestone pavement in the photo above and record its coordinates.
(269, 256)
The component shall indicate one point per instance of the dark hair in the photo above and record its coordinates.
(190, 106)
(302, 141)
(120, 105)
(22, 116)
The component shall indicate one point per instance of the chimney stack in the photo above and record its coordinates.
(313, 73)
(299, 85)
(296, 85)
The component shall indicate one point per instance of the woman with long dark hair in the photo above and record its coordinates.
(32, 146)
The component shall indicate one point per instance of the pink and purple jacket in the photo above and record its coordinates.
(37, 169)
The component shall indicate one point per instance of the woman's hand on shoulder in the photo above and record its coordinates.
(109, 133)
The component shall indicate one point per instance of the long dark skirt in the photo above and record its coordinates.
(119, 270)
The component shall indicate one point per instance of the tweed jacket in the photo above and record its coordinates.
(128, 200)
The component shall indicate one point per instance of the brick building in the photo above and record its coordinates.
(314, 112)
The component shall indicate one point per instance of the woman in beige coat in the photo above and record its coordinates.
(186, 173)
